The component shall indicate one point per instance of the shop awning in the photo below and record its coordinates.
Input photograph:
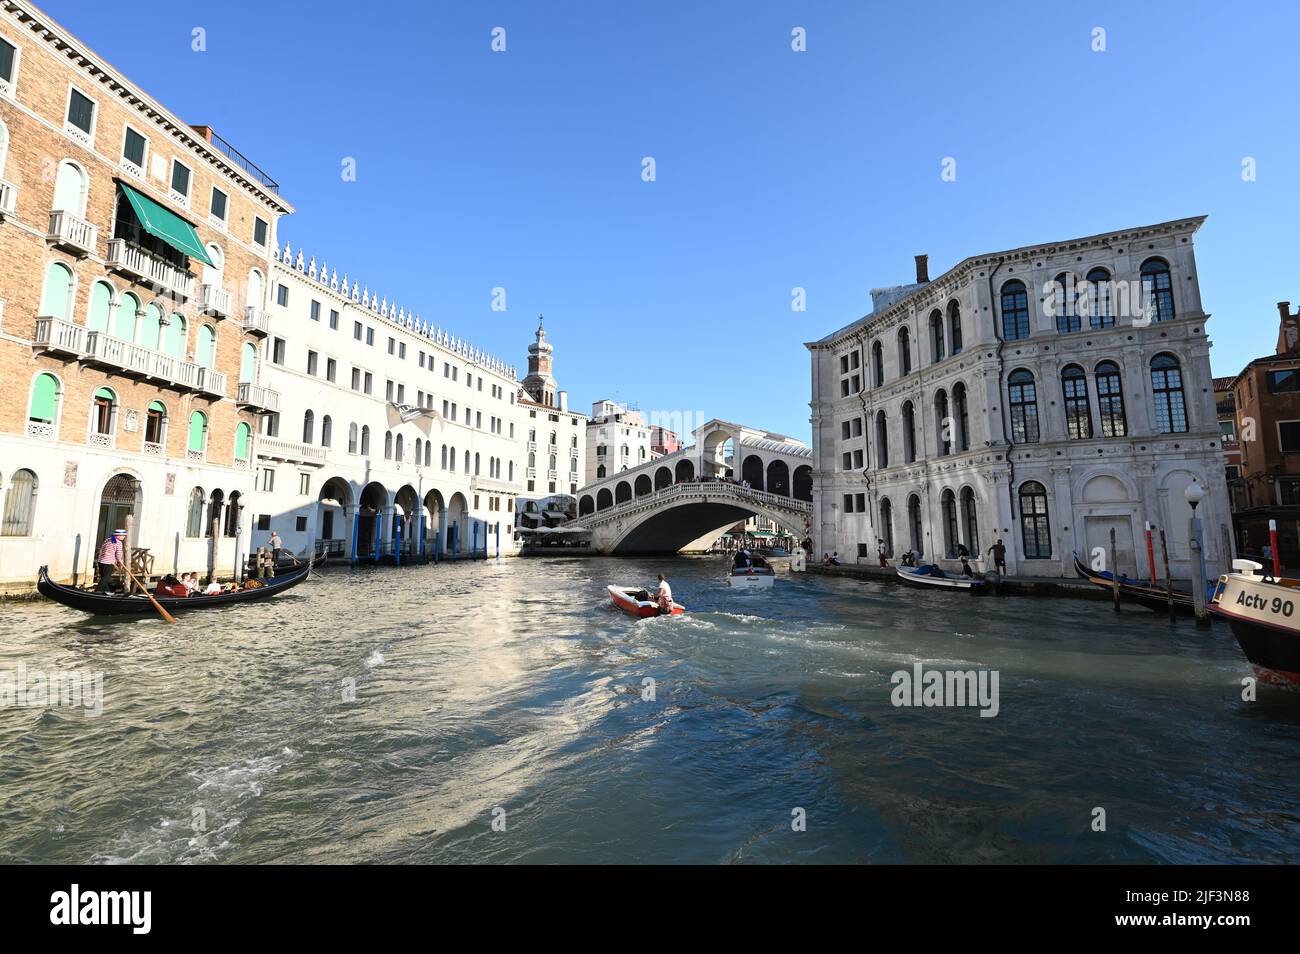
(165, 224)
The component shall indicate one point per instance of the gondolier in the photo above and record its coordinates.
(111, 558)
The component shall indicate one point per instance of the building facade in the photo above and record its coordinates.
(619, 439)
(393, 440)
(1045, 396)
(1266, 397)
(556, 438)
(134, 251)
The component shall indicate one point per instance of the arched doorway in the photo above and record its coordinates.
(436, 513)
(887, 525)
(751, 471)
(373, 501)
(407, 514)
(803, 482)
(216, 503)
(586, 505)
(684, 472)
(778, 478)
(121, 498)
(643, 485)
(458, 525)
(334, 523)
(623, 492)
(914, 532)
(604, 499)
(663, 478)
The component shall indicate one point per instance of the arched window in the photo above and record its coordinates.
(948, 503)
(365, 440)
(101, 307)
(419, 451)
(398, 450)
(443, 458)
(194, 517)
(971, 520)
(1015, 310)
(914, 532)
(1110, 400)
(1024, 407)
(882, 440)
(308, 427)
(954, 326)
(47, 395)
(155, 427)
(904, 351)
(103, 413)
(428, 453)
(878, 363)
(128, 317)
(248, 363)
(1167, 391)
(177, 336)
(552, 466)
(909, 432)
(511, 470)
(151, 327)
(887, 525)
(1063, 304)
(532, 460)
(1035, 529)
(1100, 313)
(936, 335)
(56, 296)
(388, 445)
(20, 505)
(961, 421)
(1157, 289)
(465, 469)
(243, 440)
(205, 352)
(943, 424)
(256, 289)
(600, 472)
(70, 189)
(1078, 416)
(352, 441)
(476, 464)
(198, 436)
(326, 431)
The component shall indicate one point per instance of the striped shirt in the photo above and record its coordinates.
(110, 551)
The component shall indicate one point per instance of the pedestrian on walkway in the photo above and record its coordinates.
(880, 551)
(999, 557)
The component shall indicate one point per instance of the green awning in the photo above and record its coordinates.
(165, 224)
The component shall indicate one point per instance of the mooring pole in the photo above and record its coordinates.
(1114, 570)
(1169, 583)
(1151, 554)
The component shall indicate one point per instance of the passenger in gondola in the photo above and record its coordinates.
(212, 589)
(170, 586)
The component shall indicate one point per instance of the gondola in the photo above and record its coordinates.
(104, 604)
(1154, 597)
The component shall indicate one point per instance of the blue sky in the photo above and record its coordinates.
(775, 169)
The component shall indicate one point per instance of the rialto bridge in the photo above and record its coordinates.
(693, 495)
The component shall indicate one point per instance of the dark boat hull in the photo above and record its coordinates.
(1262, 615)
(1150, 596)
(101, 604)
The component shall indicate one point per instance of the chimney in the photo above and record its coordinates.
(922, 269)
(1288, 335)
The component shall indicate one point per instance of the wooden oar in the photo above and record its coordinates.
(156, 605)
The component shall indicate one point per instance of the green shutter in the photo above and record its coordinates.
(177, 337)
(157, 406)
(124, 327)
(58, 288)
(106, 394)
(205, 353)
(242, 433)
(45, 399)
(248, 364)
(101, 306)
(198, 423)
(151, 332)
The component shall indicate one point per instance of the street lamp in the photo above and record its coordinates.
(1194, 494)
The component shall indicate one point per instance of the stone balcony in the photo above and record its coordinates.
(272, 448)
(257, 397)
(74, 234)
(256, 321)
(135, 262)
(57, 336)
(214, 300)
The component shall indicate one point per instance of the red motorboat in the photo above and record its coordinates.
(639, 602)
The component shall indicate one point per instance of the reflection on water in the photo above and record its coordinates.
(389, 715)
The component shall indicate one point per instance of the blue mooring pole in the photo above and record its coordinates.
(397, 541)
(379, 528)
(498, 539)
(356, 532)
(452, 539)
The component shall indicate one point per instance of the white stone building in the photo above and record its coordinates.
(619, 439)
(393, 440)
(1044, 395)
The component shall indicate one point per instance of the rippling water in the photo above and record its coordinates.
(514, 686)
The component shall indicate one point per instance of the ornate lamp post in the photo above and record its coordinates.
(1194, 494)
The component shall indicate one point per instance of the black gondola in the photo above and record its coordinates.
(105, 604)
(1154, 597)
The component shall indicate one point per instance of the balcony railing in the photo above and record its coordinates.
(8, 198)
(134, 261)
(552, 475)
(273, 448)
(532, 446)
(573, 452)
(103, 348)
(256, 396)
(215, 300)
(97, 347)
(530, 472)
(59, 335)
(256, 321)
(42, 430)
(75, 234)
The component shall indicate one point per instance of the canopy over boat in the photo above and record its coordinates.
(106, 604)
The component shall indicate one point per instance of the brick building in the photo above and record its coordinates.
(134, 250)
(1267, 400)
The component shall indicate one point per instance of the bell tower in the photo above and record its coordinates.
(540, 383)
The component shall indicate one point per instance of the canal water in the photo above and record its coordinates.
(387, 715)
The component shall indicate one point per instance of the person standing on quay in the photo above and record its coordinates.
(112, 556)
(880, 551)
(999, 557)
